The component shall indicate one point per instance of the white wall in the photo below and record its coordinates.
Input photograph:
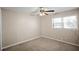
(18, 27)
(0, 30)
(67, 35)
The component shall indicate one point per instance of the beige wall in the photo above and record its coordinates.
(18, 27)
(68, 35)
(0, 29)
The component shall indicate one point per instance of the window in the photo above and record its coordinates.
(70, 22)
(65, 22)
(58, 23)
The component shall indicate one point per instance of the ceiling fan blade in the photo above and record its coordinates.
(45, 13)
(49, 11)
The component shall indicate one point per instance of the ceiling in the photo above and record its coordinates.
(32, 9)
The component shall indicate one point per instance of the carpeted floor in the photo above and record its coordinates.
(43, 44)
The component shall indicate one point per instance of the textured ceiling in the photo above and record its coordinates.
(32, 9)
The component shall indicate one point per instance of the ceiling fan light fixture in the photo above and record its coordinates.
(42, 14)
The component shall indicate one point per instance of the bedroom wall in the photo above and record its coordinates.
(67, 35)
(18, 27)
(0, 30)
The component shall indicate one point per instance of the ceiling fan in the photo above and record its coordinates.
(45, 11)
(42, 11)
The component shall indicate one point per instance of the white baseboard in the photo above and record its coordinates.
(46, 36)
(20, 42)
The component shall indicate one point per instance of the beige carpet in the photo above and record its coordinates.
(43, 44)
